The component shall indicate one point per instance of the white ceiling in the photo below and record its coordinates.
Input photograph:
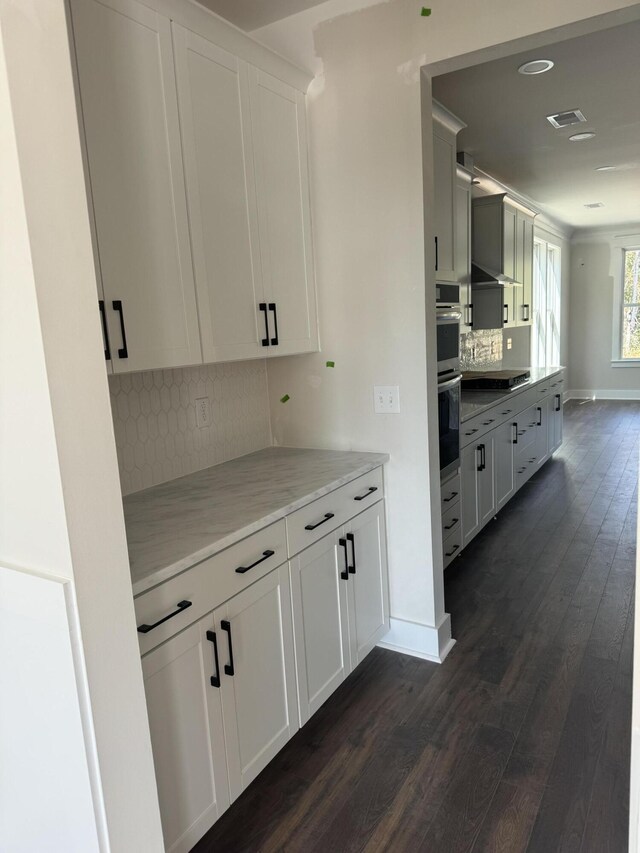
(253, 14)
(510, 138)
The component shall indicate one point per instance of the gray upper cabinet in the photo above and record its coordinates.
(445, 130)
(463, 243)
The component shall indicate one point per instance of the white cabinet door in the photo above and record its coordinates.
(187, 735)
(368, 595)
(504, 463)
(463, 244)
(280, 148)
(319, 584)
(526, 308)
(469, 472)
(543, 410)
(258, 676)
(510, 254)
(444, 176)
(213, 95)
(555, 434)
(130, 116)
(486, 480)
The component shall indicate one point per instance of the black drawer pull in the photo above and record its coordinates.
(123, 352)
(263, 307)
(451, 497)
(215, 679)
(181, 605)
(326, 518)
(265, 556)
(369, 491)
(274, 339)
(228, 667)
(105, 331)
(558, 407)
(453, 524)
(508, 412)
(351, 538)
(345, 574)
(452, 551)
(486, 423)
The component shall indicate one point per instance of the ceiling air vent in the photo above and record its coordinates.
(594, 204)
(566, 118)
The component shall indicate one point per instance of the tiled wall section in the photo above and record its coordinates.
(155, 420)
(481, 350)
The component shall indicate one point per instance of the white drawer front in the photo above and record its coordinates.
(450, 494)
(452, 546)
(208, 584)
(450, 520)
(311, 522)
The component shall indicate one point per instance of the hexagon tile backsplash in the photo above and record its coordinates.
(154, 418)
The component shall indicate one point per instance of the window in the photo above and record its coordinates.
(630, 320)
(545, 332)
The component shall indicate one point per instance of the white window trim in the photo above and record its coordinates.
(617, 261)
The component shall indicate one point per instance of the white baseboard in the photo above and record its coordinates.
(607, 394)
(421, 641)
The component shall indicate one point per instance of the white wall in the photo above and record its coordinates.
(366, 171)
(58, 469)
(596, 263)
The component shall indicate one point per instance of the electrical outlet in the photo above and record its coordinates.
(386, 399)
(203, 412)
(509, 343)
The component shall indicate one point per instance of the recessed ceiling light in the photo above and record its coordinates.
(536, 66)
(595, 204)
(581, 137)
(621, 167)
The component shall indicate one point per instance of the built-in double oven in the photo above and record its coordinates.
(448, 317)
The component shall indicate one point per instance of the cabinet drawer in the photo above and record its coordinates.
(208, 584)
(311, 522)
(450, 520)
(449, 493)
(475, 428)
(452, 546)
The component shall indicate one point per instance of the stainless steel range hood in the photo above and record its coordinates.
(490, 278)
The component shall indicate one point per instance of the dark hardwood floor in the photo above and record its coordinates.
(521, 739)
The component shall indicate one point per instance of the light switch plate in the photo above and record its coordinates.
(203, 412)
(386, 399)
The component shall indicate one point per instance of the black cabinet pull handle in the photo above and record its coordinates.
(470, 323)
(480, 465)
(451, 497)
(486, 423)
(123, 352)
(508, 412)
(326, 518)
(514, 440)
(273, 307)
(525, 315)
(265, 556)
(539, 423)
(215, 678)
(484, 457)
(436, 239)
(505, 320)
(344, 574)
(228, 667)
(452, 551)
(351, 538)
(454, 521)
(105, 331)
(369, 491)
(263, 307)
(181, 605)
(558, 398)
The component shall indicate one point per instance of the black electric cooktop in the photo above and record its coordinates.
(496, 380)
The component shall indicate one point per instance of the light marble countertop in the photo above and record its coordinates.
(175, 525)
(475, 402)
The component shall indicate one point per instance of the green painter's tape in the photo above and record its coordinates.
(285, 398)
(425, 12)
(331, 364)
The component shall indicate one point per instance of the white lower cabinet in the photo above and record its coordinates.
(221, 700)
(227, 692)
(340, 605)
(187, 735)
(504, 444)
(478, 486)
(502, 457)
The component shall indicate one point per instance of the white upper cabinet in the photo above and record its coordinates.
(197, 167)
(130, 116)
(445, 130)
(213, 95)
(280, 149)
